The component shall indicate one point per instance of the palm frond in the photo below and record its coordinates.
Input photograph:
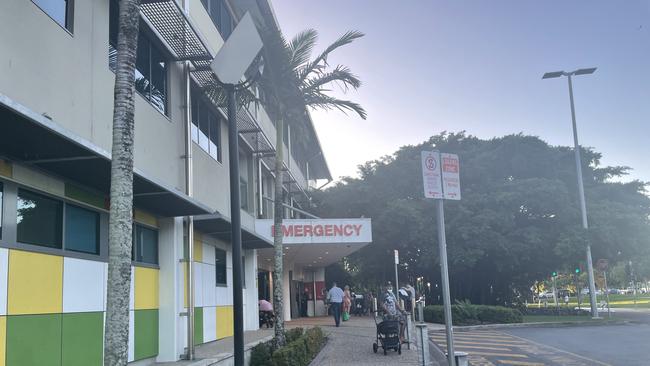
(341, 75)
(301, 47)
(347, 38)
(326, 102)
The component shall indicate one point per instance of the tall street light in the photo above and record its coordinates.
(230, 64)
(581, 190)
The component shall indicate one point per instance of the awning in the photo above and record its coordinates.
(219, 226)
(35, 140)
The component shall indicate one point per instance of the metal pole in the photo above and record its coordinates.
(583, 206)
(235, 217)
(442, 244)
(557, 307)
(396, 287)
(189, 219)
(578, 290)
(609, 314)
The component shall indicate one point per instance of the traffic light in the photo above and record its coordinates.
(554, 274)
(577, 270)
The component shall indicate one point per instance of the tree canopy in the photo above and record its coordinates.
(518, 220)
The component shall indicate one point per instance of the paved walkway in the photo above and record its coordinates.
(351, 344)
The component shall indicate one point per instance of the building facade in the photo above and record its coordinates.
(56, 95)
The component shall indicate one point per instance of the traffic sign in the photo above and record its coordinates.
(431, 176)
(396, 256)
(602, 264)
(450, 176)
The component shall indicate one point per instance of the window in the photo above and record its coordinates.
(221, 16)
(220, 266)
(145, 245)
(243, 180)
(206, 126)
(81, 230)
(39, 220)
(1, 209)
(61, 11)
(150, 64)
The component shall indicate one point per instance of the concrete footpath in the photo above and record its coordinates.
(351, 344)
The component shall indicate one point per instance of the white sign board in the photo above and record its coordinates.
(316, 231)
(431, 174)
(396, 256)
(450, 176)
(239, 51)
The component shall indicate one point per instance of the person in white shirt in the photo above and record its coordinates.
(335, 298)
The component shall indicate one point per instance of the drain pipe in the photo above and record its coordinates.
(189, 219)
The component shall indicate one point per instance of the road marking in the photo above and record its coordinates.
(562, 351)
(502, 344)
(520, 363)
(515, 355)
(459, 346)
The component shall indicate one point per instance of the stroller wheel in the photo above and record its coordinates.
(374, 347)
(399, 349)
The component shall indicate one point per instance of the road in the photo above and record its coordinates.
(611, 344)
(617, 344)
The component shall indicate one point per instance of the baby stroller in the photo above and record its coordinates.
(388, 336)
(358, 304)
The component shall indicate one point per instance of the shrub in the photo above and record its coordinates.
(562, 311)
(301, 348)
(293, 334)
(468, 314)
(261, 354)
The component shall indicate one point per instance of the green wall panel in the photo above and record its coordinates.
(34, 340)
(83, 339)
(198, 326)
(146, 333)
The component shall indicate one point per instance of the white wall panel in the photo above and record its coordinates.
(209, 324)
(209, 285)
(131, 335)
(208, 254)
(198, 284)
(83, 285)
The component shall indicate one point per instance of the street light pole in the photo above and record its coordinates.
(581, 191)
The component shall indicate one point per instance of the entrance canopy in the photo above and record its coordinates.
(317, 242)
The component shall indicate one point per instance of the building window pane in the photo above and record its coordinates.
(59, 10)
(214, 137)
(150, 64)
(220, 264)
(39, 220)
(81, 230)
(243, 194)
(221, 17)
(146, 245)
(1, 190)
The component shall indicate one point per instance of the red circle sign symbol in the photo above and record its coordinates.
(430, 163)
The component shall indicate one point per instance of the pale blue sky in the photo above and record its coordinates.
(429, 66)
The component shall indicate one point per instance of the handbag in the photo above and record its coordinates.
(346, 316)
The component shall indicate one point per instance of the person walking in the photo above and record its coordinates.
(347, 302)
(335, 298)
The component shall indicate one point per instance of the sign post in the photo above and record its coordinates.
(396, 287)
(440, 174)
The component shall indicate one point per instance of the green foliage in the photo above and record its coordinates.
(293, 334)
(302, 347)
(261, 354)
(469, 314)
(518, 220)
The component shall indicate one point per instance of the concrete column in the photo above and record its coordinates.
(320, 304)
(286, 291)
(170, 250)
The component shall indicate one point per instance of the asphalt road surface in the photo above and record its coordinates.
(627, 344)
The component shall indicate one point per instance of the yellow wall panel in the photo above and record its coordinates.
(145, 218)
(6, 169)
(3, 339)
(198, 250)
(146, 288)
(35, 283)
(225, 323)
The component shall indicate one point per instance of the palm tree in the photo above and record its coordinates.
(121, 195)
(292, 82)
